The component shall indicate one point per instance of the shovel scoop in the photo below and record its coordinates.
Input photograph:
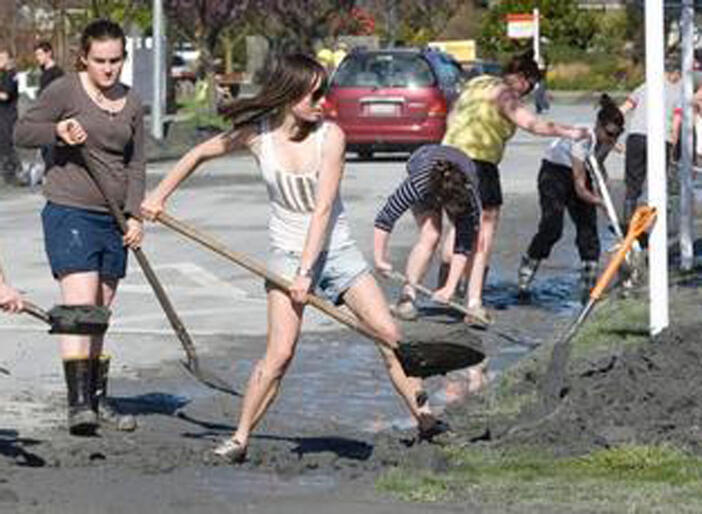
(72, 319)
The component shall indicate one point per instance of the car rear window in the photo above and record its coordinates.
(384, 70)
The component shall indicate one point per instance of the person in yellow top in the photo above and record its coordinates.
(484, 117)
(339, 53)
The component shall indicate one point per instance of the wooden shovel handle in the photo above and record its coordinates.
(260, 270)
(641, 221)
(36, 312)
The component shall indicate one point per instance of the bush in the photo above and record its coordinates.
(595, 72)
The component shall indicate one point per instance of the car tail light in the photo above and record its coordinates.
(329, 108)
(437, 108)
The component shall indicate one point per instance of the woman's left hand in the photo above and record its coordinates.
(135, 233)
(299, 288)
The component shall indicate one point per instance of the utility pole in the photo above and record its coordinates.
(687, 25)
(657, 187)
(158, 67)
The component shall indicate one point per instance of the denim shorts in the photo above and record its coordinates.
(78, 240)
(332, 275)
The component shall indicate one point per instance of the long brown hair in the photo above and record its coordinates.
(288, 78)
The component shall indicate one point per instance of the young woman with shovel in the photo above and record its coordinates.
(301, 158)
(564, 184)
(86, 250)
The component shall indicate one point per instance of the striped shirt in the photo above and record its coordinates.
(415, 190)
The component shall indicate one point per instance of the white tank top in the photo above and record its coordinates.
(293, 197)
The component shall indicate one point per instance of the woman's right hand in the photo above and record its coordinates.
(152, 206)
(71, 132)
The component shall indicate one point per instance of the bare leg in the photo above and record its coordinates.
(284, 319)
(429, 224)
(488, 226)
(106, 294)
(367, 302)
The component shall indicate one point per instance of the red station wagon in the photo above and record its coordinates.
(394, 99)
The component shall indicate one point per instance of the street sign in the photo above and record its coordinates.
(520, 26)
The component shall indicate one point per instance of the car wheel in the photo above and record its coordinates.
(365, 155)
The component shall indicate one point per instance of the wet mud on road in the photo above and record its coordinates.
(336, 425)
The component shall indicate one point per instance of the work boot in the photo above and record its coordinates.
(588, 279)
(107, 413)
(525, 274)
(81, 378)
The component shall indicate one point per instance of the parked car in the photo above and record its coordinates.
(393, 99)
(480, 67)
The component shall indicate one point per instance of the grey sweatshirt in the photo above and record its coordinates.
(114, 149)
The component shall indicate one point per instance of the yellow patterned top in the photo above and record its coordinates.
(476, 126)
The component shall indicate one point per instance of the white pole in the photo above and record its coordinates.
(686, 141)
(657, 193)
(537, 36)
(156, 105)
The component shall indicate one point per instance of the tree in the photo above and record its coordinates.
(414, 21)
(297, 24)
(202, 22)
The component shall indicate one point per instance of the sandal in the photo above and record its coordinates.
(230, 450)
(406, 308)
(478, 317)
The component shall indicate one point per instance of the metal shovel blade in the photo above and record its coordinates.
(79, 319)
(426, 359)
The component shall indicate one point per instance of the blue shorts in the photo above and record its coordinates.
(78, 240)
(332, 275)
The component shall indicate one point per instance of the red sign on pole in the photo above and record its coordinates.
(520, 26)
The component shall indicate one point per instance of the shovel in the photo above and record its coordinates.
(69, 319)
(596, 172)
(192, 364)
(552, 386)
(401, 279)
(418, 359)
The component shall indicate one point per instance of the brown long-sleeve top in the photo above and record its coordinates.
(114, 149)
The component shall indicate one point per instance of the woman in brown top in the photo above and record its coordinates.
(89, 111)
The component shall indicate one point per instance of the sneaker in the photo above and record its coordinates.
(406, 308)
(230, 450)
(527, 270)
(478, 317)
(110, 416)
(434, 430)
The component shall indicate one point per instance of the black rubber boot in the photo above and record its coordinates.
(107, 413)
(80, 381)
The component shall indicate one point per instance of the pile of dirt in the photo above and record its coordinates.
(648, 394)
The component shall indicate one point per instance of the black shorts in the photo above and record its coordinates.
(489, 183)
